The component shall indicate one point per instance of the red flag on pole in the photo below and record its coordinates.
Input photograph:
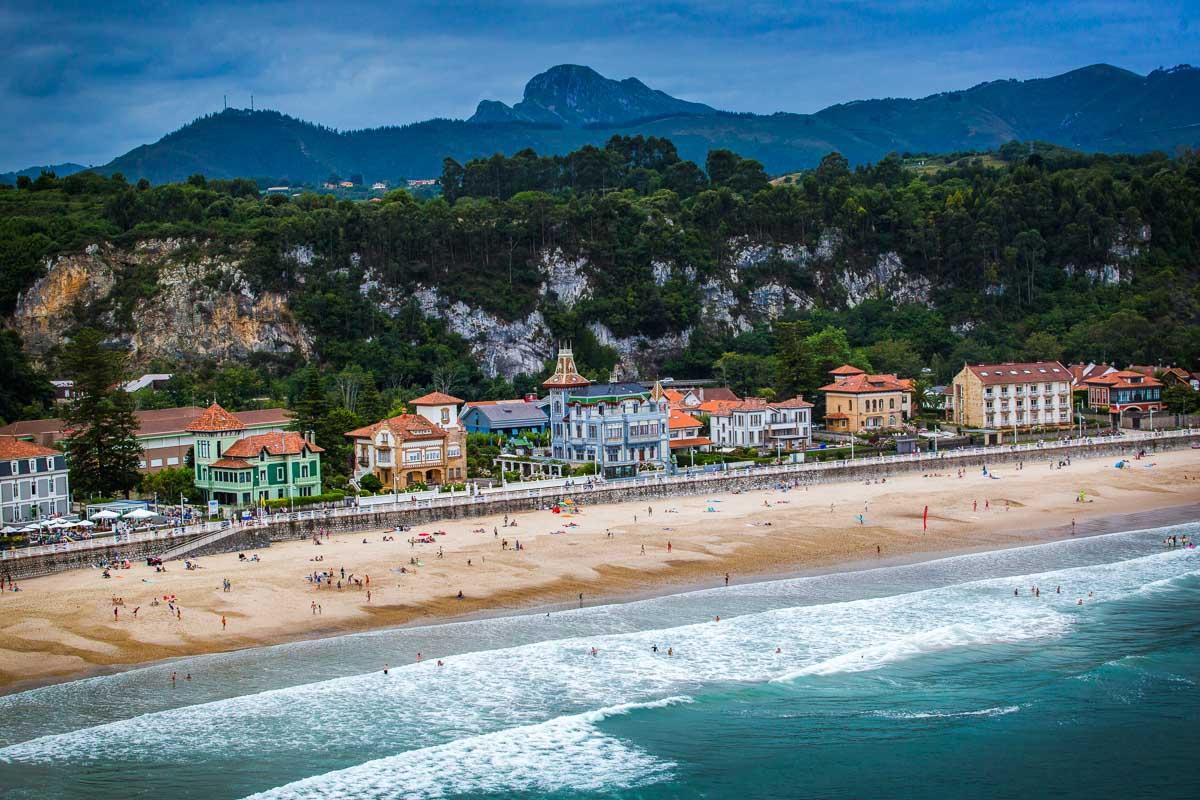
(925, 520)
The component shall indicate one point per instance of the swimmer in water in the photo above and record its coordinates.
(385, 669)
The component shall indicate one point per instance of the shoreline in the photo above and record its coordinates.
(1132, 521)
(52, 641)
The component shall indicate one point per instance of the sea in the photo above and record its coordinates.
(949, 678)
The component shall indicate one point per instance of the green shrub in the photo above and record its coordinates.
(284, 502)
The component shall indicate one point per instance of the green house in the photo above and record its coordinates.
(239, 470)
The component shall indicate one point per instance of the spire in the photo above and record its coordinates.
(657, 392)
(565, 374)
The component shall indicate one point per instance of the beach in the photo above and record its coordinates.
(64, 626)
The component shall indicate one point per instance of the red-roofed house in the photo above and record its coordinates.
(856, 401)
(240, 470)
(410, 449)
(687, 432)
(754, 422)
(1125, 393)
(33, 482)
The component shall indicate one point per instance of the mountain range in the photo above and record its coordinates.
(1099, 108)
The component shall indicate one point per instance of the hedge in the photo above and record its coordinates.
(327, 497)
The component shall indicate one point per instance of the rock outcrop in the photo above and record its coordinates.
(202, 307)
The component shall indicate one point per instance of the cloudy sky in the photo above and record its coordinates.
(86, 81)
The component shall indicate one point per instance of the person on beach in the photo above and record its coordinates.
(670, 651)
(643, 549)
(385, 669)
(222, 622)
(726, 578)
(114, 615)
(174, 675)
(668, 545)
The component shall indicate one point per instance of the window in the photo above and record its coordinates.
(202, 448)
(453, 451)
(304, 470)
(172, 461)
(412, 456)
(445, 416)
(433, 454)
(280, 473)
(156, 462)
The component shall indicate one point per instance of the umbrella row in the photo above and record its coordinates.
(34, 527)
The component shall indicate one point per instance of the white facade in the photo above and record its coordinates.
(33, 488)
(762, 426)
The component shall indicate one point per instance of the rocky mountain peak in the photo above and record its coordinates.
(572, 95)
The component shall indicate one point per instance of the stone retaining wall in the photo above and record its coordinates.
(257, 538)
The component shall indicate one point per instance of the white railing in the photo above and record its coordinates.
(581, 486)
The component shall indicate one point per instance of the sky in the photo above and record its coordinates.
(87, 81)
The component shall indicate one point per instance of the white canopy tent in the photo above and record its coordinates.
(140, 513)
(106, 514)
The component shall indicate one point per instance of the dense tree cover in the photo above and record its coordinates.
(1021, 251)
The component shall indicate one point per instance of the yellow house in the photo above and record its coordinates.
(857, 402)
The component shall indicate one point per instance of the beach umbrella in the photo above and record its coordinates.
(8, 529)
(140, 513)
(83, 523)
(30, 529)
(105, 514)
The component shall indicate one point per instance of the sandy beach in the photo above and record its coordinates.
(64, 626)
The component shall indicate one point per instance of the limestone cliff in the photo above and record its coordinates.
(186, 300)
(170, 299)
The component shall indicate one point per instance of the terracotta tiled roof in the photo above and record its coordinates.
(795, 402)
(717, 393)
(846, 369)
(284, 443)
(435, 399)
(406, 427)
(716, 406)
(231, 463)
(12, 447)
(865, 384)
(214, 419)
(674, 396)
(679, 420)
(695, 441)
(1023, 372)
(1123, 380)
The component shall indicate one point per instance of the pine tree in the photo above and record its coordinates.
(312, 406)
(371, 406)
(103, 452)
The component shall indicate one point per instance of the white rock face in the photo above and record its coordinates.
(773, 300)
(662, 272)
(639, 354)
(719, 304)
(563, 277)
(886, 278)
(501, 348)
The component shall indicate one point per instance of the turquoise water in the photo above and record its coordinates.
(926, 680)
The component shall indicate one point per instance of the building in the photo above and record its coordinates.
(1125, 392)
(693, 397)
(428, 447)
(1080, 373)
(856, 402)
(151, 380)
(33, 482)
(754, 422)
(162, 432)
(687, 432)
(620, 427)
(239, 470)
(512, 418)
(1012, 395)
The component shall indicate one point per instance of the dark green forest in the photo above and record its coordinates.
(1006, 241)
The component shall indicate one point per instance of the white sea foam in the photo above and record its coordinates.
(563, 753)
(998, 711)
(474, 694)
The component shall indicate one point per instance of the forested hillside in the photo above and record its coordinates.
(1097, 108)
(647, 262)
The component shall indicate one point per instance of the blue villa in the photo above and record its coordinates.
(621, 427)
(513, 418)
